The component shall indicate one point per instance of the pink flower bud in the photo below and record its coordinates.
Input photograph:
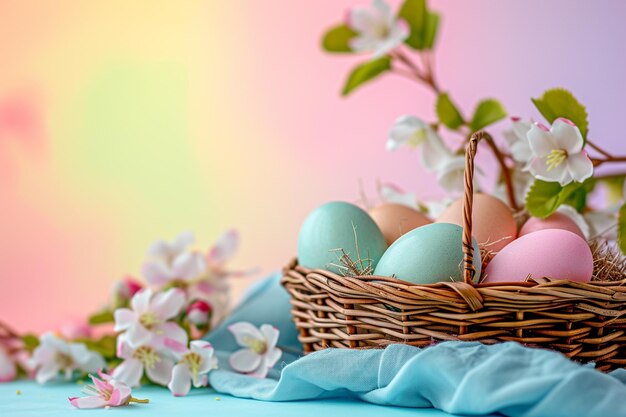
(132, 285)
(198, 312)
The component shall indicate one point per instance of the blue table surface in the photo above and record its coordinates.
(51, 400)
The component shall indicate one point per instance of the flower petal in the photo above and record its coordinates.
(47, 372)
(245, 360)
(206, 351)
(540, 141)
(164, 250)
(168, 304)
(579, 166)
(124, 318)
(434, 152)
(245, 332)
(272, 356)
(171, 331)
(94, 401)
(92, 362)
(137, 335)
(157, 273)
(161, 372)
(270, 333)
(129, 372)
(141, 301)
(8, 371)
(189, 265)
(567, 136)
(224, 249)
(181, 380)
(558, 174)
(451, 174)
(42, 354)
(182, 241)
(123, 393)
(360, 19)
(403, 131)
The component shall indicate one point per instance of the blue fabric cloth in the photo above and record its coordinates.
(456, 377)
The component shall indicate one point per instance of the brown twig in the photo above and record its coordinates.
(506, 172)
(598, 149)
(598, 161)
(8, 331)
(425, 77)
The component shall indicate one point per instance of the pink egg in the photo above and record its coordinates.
(554, 221)
(553, 253)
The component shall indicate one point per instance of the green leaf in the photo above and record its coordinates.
(102, 317)
(366, 72)
(337, 39)
(621, 228)
(559, 102)
(30, 341)
(544, 197)
(430, 30)
(487, 112)
(447, 112)
(578, 197)
(106, 345)
(423, 24)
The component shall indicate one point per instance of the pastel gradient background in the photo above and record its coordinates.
(124, 122)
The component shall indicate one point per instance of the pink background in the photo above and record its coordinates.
(125, 122)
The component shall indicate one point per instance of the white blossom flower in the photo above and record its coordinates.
(148, 320)
(8, 369)
(193, 366)
(172, 262)
(411, 131)
(378, 30)
(259, 351)
(558, 154)
(148, 358)
(451, 174)
(105, 392)
(54, 355)
(391, 193)
(517, 140)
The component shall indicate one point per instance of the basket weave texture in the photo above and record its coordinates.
(584, 321)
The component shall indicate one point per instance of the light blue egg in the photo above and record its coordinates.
(428, 254)
(331, 227)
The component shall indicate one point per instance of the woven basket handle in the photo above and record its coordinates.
(468, 250)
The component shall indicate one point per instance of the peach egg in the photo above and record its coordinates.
(493, 224)
(394, 220)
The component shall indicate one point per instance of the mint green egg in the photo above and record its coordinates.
(330, 227)
(428, 254)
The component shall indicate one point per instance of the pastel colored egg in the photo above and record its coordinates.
(426, 255)
(493, 224)
(394, 220)
(554, 221)
(553, 253)
(333, 226)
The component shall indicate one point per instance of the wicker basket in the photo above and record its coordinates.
(584, 321)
